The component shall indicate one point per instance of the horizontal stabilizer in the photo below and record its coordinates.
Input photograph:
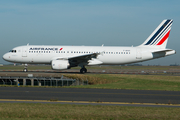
(166, 50)
(163, 53)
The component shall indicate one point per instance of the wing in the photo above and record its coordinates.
(87, 59)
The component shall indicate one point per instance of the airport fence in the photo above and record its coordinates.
(41, 81)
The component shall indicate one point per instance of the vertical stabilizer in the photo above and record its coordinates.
(160, 35)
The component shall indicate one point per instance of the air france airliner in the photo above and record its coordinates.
(65, 57)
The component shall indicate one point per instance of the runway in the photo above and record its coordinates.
(90, 96)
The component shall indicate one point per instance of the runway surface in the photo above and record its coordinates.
(103, 96)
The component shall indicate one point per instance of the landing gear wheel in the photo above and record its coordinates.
(25, 70)
(83, 70)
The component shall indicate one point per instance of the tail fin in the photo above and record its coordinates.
(160, 35)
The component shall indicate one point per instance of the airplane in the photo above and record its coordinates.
(65, 57)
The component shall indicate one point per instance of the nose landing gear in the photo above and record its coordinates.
(25, 68)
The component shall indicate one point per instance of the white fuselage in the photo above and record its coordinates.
(108, 55)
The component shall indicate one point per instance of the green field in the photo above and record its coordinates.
(120, 81)
(37, 111)
(125, 81)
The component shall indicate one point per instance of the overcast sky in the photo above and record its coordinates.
(87, 22)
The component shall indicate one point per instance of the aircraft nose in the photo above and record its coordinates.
(5, 56)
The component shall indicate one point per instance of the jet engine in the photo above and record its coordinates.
(60, 64)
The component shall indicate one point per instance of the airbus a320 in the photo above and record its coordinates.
(65, 57)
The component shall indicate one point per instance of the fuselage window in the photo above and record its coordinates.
(111, 52)
(67, 51)
(71, 51)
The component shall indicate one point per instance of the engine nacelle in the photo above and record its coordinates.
(60, 64)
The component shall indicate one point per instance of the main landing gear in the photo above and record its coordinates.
(25, 68)
(83, 70)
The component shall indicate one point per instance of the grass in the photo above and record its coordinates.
(38, 111)
(120, 81)
(124, 81)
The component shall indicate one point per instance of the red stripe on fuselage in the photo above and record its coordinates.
(164, 38)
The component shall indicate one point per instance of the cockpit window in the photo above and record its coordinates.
(13, 51)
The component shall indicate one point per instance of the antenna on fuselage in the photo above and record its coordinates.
(28, 44)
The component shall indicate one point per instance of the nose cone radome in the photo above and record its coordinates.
(6, 57)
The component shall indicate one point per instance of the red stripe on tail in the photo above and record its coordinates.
(164, 38)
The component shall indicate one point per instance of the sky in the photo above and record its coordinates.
(87, 22)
